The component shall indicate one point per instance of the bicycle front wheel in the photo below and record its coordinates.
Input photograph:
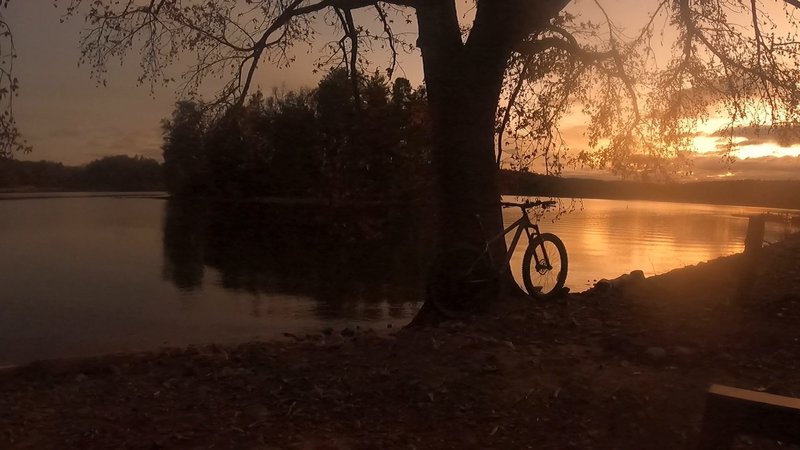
(544, 267)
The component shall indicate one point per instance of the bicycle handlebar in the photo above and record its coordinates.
(528, 205)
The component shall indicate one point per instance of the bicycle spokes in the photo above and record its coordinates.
(547, 257)
(545, 266)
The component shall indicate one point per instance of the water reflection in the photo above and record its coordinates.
(82, 276)
(352, 263)
(607, 238)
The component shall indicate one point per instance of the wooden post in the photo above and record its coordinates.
(753, 243)
(731, 411)
(754, 240)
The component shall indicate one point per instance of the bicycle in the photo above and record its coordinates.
(466, 272)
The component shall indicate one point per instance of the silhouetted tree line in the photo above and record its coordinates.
(111, 173)
(772, 193)
(345, 139)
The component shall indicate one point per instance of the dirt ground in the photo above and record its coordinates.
(622, 368)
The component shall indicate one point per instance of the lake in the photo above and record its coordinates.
(87, 274)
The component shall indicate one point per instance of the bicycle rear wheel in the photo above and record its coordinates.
(544, 267)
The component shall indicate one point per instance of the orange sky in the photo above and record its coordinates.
(67, 118)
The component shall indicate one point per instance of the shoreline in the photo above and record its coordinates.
(619, 368)
(600, 286)
(82, 194)
(33, 194)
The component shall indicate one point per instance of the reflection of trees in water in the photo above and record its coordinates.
(351, 261)
(183, 245)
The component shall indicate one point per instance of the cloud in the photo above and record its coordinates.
(707, 167)
(64, 133)
(783, 136)
(765, 168)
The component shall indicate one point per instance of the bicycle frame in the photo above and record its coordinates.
(468, 271)
(522, 224)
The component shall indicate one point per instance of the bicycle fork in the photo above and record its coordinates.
(544, 261)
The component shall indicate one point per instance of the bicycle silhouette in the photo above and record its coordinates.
(465, 272)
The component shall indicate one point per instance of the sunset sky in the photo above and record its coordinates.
(68, 118)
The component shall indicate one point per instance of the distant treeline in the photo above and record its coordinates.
(111, 173)
(778, 194)
(345, 139)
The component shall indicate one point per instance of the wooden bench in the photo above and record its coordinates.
(731, 411)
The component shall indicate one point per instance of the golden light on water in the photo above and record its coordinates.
(610, 237)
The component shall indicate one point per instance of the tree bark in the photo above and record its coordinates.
(464, 81)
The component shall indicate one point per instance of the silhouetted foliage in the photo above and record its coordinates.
(184, 163)
(11, 140)
(297, 159)
(322, 143)
(111, 173)
(35, 174)
(121, 173)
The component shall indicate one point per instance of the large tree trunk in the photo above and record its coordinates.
(464, 161)
(464, 81)
(464, 84)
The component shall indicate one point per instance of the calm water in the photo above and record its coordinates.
(93, 275)
(606, 238)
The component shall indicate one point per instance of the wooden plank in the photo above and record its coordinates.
(731, 411)
(756, 397)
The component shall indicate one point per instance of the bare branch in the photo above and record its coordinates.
(11, 140)
(387, 29)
